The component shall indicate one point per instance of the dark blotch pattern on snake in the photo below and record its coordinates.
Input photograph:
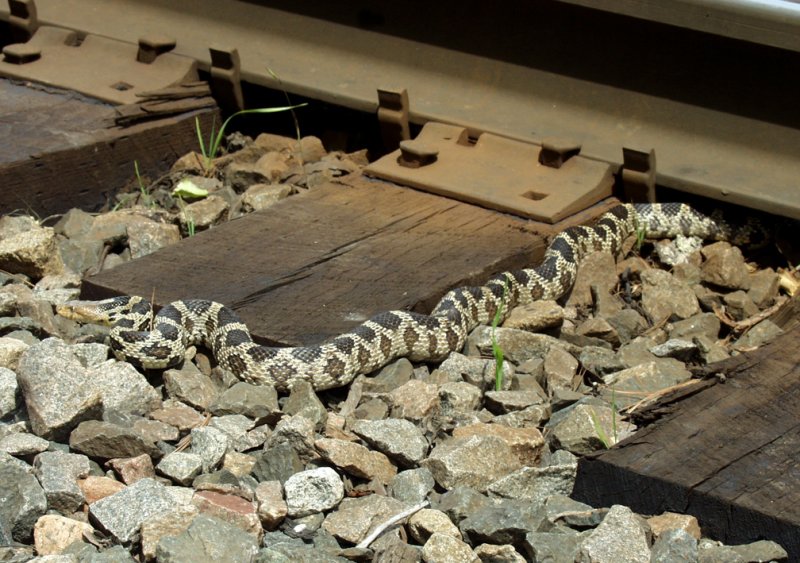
(392, 334)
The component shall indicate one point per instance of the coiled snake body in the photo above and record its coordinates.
(388, 335)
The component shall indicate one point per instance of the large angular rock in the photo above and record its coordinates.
(58, 473)
(621, 536)
(123, 388)
(32, 252)
(314, 490)
(398, 438)
(55, 389)
(475, 461)
(208, 539)
(122, 514)
(105, 440)
(23, 501)
(664, 296)
(357, 517)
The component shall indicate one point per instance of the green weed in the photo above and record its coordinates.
(210, 149)
(497, 351)
(598, 428)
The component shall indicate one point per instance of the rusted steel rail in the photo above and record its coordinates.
(717, 112)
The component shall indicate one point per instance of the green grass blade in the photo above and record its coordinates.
(200, 137)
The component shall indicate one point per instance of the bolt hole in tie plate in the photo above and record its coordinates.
(546, 183)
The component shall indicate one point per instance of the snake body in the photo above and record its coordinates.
(161, 342)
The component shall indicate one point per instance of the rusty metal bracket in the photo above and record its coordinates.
(555, 152)
(639, 175)
(99, 67)
(393, 117)
(497, 172)
(22, 19)
(225, 80)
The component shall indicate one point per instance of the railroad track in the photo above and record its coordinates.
(716, 108)
(541, 110)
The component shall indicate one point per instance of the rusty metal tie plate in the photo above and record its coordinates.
(495, 172)
(103, 68)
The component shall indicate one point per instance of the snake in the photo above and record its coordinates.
(160, 341)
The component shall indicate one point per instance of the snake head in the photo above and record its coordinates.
(85, 312)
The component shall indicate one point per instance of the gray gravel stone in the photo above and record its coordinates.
(476, 461)
(759, 335)
(480, 372)
(297, 432)
(55, 388)
(123, 388)
(277, 463)
(390, 377)
(561, 509)
(763, 550)
(11, 350)
(122, 513)
(208, 539)
(355, 518)
(507, 521)
(201, 215)
(517, 345)
(181, 467)
(356, 460)
(210, 444)
(444, 548)
(23, 501)
(706, 324)
(461, 397)
(724, 266)
(621, 536)
(190, 386)
(739, 305)
(596, 269)
(235, 427)
(398, 438)
(58, 473)
(644, 379)
(677, 348)
(560, 368)
(412, 485)
(664, 296)
(575, 428)
(314, 490)
(600, 361)
(560, 546)
(536, 484)
(503, 402)
(105, 440)
(674, 546)
(764, 286)
(253, 401)
(31, 252)
(303, 401)
(628, 323)
(22, 444)
(459, 502)
(536, 316)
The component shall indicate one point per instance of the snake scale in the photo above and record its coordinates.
(160, 342)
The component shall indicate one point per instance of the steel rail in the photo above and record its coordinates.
(768, 22)
(721, 115)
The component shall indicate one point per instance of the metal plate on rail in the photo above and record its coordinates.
(495, 172)
(107, 69)
(720, 113)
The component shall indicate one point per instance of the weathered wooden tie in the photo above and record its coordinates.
(729, 455)
(61, 150)
(320, 263)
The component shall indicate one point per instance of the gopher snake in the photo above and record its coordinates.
(388, 335)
